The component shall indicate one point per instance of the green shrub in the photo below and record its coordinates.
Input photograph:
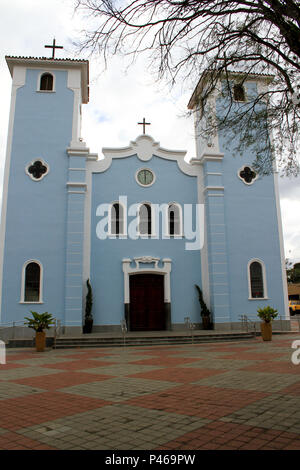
(40, 321)
(267, 314)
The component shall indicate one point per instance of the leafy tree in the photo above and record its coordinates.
(292, 272)
(185, 38)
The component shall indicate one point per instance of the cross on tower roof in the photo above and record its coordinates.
(53, 47)
(144, 124)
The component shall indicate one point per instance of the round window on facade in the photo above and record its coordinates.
(145, 177)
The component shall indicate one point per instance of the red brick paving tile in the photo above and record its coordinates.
(229, 349)
(17, 413)
(255, 356)
(158, 351)
(14, 441)
(61, 380)
(196, 400)
(77, 365)
(272, 366)
(85, 355)
(9, 366)
(292, 389)
(165, 361)
(178, 374)
(21, 356)
(242, 437)
(283, 343)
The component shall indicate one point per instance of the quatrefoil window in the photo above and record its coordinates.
(37, 169)
(247, 175)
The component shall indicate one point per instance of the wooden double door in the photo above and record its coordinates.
(147, 308)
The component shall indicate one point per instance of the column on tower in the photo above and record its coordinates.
(76, 190)
(216, 238)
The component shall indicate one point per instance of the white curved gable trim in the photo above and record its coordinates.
(144, 147)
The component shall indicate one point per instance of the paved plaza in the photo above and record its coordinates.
(243, 395)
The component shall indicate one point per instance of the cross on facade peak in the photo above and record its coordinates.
(53, 47)
(144, 124)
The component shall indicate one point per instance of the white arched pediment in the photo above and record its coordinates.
(144, 147)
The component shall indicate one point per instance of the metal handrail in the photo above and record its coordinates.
(246, 321)
(11, 324)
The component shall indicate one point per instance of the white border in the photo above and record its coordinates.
(19, 78)
(167, 222)
(141, 184)
(40, 301)
(39, 82)
(265, 297)
(245, 92)
(124, 231)
(31, 163)
(242, 179)
(165, 270)
(153, 225)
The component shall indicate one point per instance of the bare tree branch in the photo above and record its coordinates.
(185, 38)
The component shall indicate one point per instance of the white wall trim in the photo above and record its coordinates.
(23, 282)
(153, 220)
(242, 179)
(265, 297)
(166, 227)
(38, 88)
(19, 79)
(74, 83)
(31, 163)
(164, 270)
(122, 233)
(281, 245)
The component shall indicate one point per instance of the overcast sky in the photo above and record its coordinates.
(119, 97)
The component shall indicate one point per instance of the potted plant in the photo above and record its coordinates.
(39, 323)
(88, 319)
(267, 315)
(205, 313)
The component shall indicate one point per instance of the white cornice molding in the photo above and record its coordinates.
(207, 157)
(145, 148)
(214, 188)
(78, 151)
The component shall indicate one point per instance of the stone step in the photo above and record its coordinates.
(63, 343)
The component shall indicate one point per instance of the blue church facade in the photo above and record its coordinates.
(142, 224)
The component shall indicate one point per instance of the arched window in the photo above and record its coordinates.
(239, 93)
(174, 219)
(257, 281)
(31, 282)
(46, 83)
(145, 220)
(117, 219)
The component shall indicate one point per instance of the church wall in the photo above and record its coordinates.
(251, 229)
(36, 211)
(107, 277)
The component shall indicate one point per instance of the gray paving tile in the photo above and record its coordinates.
(139, 431)
(256, 381)
(121, 369)
(22, 373)
(12, 390)
(119, 389)
(278, 412)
